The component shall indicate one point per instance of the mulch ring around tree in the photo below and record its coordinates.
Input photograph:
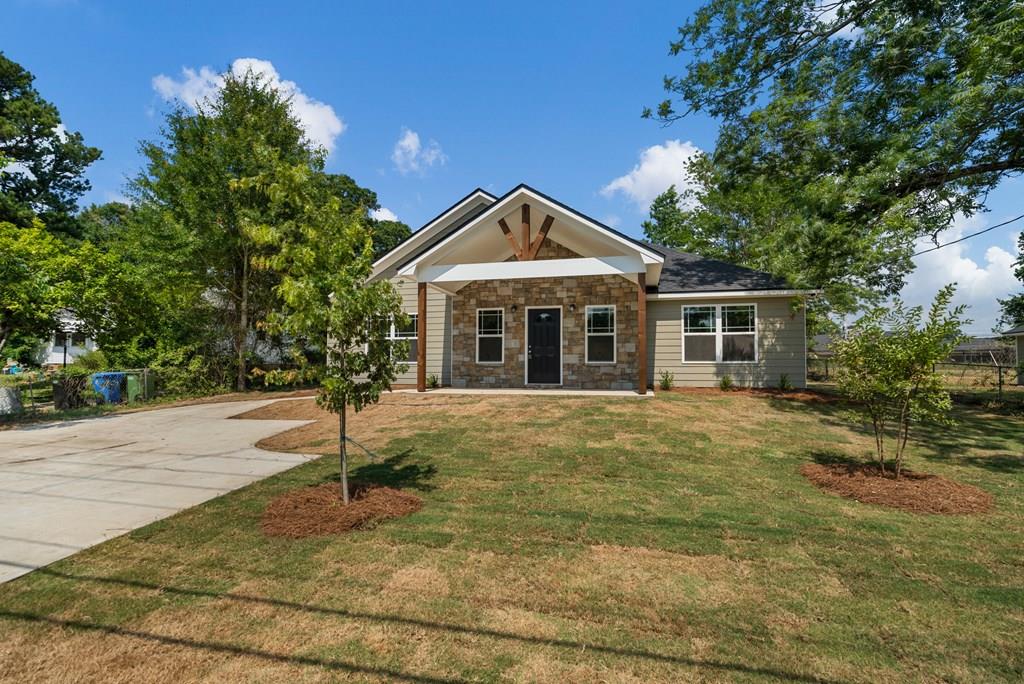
(915, 492)
(318, 511)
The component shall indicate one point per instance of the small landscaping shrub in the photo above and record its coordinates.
(785, 384)
(726, 383)
(92, 361)
(666, 381)
(183, 371)
(432, 381)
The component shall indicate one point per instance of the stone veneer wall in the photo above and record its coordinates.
(581, 291)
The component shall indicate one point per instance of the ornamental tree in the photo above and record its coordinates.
(886, 367)
(324, 258)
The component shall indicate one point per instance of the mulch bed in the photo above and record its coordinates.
(915, 492)
(318, 511)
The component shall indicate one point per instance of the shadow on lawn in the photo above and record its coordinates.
(393, 471)
(975, 430)
(341, 665)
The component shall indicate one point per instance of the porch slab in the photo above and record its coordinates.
(553, 392)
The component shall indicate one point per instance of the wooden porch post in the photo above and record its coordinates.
(641, 321)
(421, 337)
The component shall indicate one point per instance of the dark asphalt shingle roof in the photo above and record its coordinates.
(1015, 330)
(685, 272)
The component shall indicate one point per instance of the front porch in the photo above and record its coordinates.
(580, 333)
(562, 306)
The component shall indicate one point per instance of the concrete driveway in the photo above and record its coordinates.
(67, 486)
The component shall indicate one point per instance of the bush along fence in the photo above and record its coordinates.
(1006, 382)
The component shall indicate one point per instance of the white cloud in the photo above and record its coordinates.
(978, 285)
(613, 220)
(659, 167)
(384, 214)
(319, 121)
(410, 155)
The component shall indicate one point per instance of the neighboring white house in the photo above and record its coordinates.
(66, 344)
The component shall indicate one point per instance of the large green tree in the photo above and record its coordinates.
(32, 281)
(42, 174)
(189, 197)
(849, 129)
(245, 130)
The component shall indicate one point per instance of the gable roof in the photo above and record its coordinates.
(1016, 330)
(500, 203)
(683, 272)
(680, 272)
(438, 228)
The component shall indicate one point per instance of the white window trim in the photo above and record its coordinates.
(393, 336)
(718, 334)
(476, 331)
(614, 334)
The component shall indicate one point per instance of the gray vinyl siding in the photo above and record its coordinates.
(439, 328)
(780, 339)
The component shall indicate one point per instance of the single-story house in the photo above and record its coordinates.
(983, 350)
(1017, 332)
(66, 344)
(524, 291)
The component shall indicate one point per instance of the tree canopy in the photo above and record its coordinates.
(42, 165)
(849, 129)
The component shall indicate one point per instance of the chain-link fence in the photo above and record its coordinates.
(36, 392)
(1001, 382)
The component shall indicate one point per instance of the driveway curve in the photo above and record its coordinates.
(67, 486)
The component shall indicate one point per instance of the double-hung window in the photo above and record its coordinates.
(490, 335)
(721, 333)
(600, 334)
(406, 333)
(739, 332)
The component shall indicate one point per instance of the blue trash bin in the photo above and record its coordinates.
(109, 386)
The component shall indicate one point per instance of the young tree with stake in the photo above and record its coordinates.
(324, 257)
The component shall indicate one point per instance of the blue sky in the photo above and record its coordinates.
(431, 100)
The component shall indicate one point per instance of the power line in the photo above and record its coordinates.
(965, 237)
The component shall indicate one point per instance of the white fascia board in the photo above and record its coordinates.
(543, 268)
(418, 237)
(648, 256)
(730, 294)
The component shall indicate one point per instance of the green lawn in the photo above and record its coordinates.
(562, 540)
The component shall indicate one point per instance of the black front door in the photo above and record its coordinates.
(544, 346)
